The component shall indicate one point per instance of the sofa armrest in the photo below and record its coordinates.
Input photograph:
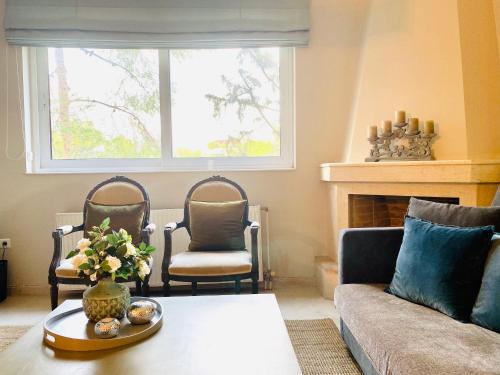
(368, 255)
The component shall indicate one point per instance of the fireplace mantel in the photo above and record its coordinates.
(442, 171)
(472, 183)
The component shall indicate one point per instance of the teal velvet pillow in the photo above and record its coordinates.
(441, 266)
(486, 311)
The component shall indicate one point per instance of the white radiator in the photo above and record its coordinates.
(161, 217)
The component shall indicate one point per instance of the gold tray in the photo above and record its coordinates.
(71, 330)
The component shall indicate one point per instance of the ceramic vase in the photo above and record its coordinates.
(106, 299)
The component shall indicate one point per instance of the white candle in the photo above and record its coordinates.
(372, 132)
(400, 117)
(387, 126)
(429, 127)
(413, 125)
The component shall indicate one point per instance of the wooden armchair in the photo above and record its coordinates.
(219, 264)
(116, 191)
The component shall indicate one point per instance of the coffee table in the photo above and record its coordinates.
(202, 335)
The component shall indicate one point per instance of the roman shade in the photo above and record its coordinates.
(157, 23)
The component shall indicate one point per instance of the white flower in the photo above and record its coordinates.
(143, 269)
(93, 277)
(114, 263)
(83, 244)
(130, 250)
(78, 260)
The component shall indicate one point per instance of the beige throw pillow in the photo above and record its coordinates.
(216, 225)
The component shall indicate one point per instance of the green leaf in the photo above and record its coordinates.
(105, 224)
(89, 252)
(142, 246)
(72, 253)
(105, 266)
(149, 249)
(84, 266)
(121, 250)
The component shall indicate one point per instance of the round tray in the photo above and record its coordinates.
(71, 330)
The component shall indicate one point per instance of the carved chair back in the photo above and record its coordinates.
(215, 189)
(117, 191)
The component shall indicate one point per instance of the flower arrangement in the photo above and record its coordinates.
(105, 254)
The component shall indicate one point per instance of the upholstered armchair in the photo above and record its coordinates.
(117, 194)
(215, 216)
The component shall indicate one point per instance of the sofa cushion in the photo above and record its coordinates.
(453, 214)
(403, 338)
(216, 225)
(486, 311)
(441, 266)
(211, 263)
(129, 217)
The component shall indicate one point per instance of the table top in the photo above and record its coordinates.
(202, 335)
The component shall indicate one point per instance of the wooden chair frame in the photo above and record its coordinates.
(171, 227)
(142, 287)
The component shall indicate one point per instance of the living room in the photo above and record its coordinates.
(273, 164)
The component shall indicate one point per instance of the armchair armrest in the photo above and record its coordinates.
(57, 235)
(150, 228)
(254, 230)
(146, 232)
(167, 253)
(368, 255)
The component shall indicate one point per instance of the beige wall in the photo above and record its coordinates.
(436, 60)
(325, 81)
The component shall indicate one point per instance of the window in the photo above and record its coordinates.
(140, 110)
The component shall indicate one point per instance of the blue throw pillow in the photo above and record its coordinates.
(486, 311)
(441, 266)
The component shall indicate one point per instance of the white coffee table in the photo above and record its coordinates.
(202, 335)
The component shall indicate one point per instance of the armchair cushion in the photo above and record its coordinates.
(129, 217)
(210, 263)
(66, 269)
(216, 225)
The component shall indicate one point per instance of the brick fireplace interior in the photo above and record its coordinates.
(382, 210)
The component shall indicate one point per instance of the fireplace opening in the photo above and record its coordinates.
(383, 210)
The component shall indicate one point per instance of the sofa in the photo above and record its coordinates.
(389, 335)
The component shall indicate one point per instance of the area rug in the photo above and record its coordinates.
(320, 349)
(9, 335)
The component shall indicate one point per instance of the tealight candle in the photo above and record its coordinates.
(372, 132)
(413, 125)
(387, 126)
(400, 117)
(429, 127)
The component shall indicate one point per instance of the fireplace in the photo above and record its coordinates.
(382, 210)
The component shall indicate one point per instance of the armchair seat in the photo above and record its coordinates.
(211, 263)
(66, 269)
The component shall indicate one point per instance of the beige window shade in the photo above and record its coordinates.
(157, 23)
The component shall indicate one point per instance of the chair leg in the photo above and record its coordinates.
(145, 286)
(138, 288)
(166, 289)
(255, 285)
(194, 286)
(54, 292)
(237, 286)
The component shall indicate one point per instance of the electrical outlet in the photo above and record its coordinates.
(5, 242)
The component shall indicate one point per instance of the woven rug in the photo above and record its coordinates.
(9, 335)
(320, 349)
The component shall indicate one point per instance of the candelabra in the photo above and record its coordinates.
(401, 144)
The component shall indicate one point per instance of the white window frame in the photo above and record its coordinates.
(38, 142)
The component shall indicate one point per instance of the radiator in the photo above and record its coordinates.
(160, 217)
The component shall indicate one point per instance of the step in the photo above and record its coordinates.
(326, 276)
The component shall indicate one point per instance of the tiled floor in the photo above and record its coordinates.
(296, 300)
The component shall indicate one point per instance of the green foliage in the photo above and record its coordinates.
(111, 255)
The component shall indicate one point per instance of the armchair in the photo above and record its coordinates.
(116, 191)
(217, 264)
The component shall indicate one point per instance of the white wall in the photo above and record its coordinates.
(299, 217)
